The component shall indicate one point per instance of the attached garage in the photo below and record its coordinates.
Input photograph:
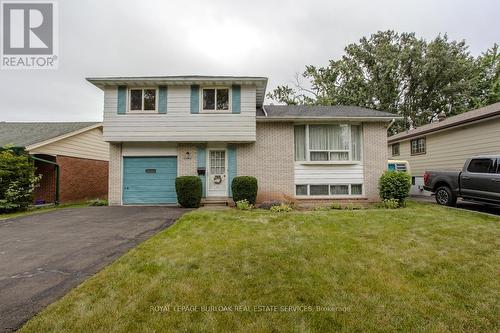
(149, 180)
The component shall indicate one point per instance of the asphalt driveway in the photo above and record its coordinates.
(495, 210)
(43, 256)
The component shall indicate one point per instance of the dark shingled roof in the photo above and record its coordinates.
(492, 110)
(314, 111)
(25, 134)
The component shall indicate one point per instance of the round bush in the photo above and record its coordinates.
(394, 185)
(244, 188)
(188, 190)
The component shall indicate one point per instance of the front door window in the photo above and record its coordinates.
(217, 177)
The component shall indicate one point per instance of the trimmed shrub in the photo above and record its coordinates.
(188, 190)
(17, 180)
(244, 188)
(395, 185)
(244, 205)
(268, 204)
(283, 208)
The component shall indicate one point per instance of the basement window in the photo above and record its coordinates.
(328, 190)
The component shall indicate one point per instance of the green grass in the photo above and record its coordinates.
(37, 210)
(421, 268)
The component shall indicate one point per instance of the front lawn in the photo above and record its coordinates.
(422, 268)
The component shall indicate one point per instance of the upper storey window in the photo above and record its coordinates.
(142, 99)
(215, 99)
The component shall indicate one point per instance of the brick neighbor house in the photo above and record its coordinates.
(71, 157)
(217, 127)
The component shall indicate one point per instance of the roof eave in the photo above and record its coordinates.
(319, 118)
(397, 138)
(37, 145)
(259, 82)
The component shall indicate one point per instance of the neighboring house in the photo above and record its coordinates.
(71, 157)
(217, 127)
(444, 145)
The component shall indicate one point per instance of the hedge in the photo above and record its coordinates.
(188, 190)
(244, 188)
(395, 185)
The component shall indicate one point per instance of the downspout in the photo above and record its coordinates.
(57, 174)
(391, 123)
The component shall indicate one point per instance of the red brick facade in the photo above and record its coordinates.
(46, 191)
(82, 179)
(79, 180)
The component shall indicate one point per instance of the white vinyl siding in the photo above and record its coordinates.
(328, 174)
(89, 145)
(149, 149)
(178, 124)
(448, 150)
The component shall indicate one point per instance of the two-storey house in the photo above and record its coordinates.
(217, 127)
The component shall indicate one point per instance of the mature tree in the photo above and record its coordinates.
(488, 87)
(402, 74)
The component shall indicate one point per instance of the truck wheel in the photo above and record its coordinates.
(445, 197)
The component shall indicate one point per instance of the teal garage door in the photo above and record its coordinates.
(149, 180)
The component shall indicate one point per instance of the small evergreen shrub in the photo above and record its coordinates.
(268, 204)
(321, 208)
(244, 205)
(388, 204)
(17, 180)
(282, 208)
(244, 188)
(188, 190)
(395, 185)
(335, 205)
(97, 202)
(352, 206)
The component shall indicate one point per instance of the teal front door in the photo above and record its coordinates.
(149, 180)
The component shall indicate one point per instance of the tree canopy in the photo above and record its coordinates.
(401, 74)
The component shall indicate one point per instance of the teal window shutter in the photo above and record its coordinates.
(162, 99)
(122, 100)
(236, 106)
(201, 158)
(231, 166)
(195, 99)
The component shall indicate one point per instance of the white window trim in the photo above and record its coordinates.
(331, 196)
(142, 111)
(346, 162)
(418, 146)
(215, 111)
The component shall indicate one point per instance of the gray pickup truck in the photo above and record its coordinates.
(478, 181)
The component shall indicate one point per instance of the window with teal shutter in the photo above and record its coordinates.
(162, 99)
(201, 162)
(122, 100)
(236, 107)
(232, 167)
(195, 99)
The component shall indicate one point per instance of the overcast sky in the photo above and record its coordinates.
(269, 38)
